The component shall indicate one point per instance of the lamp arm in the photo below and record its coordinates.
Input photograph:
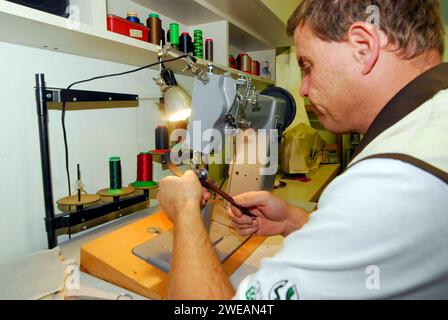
(191, 65)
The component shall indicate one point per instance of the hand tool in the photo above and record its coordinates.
(203, 178)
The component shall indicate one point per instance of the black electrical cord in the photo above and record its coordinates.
(92, 79)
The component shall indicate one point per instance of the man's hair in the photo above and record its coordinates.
(412, 26)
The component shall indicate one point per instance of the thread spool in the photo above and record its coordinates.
(174, 34)
(232, 62)
(185, 43)
(209, 49)
(255, 67)
(144, 172)
(191, 47)
(163, 37)
(133, 17)
(155, 28)
(115, 173)
(198, 45)
(162, 141)
(244, 62)
(144, 167)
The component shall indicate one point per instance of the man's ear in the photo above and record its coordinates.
(366, 42)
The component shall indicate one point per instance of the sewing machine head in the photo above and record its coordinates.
(225, 106)
(221, 105)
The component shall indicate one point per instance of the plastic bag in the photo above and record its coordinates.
(301, 150)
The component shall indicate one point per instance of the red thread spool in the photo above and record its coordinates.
(232, 62)
(244, 62)
(255, 67)
(144, 167)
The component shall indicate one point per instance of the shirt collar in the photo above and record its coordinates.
(407, 100)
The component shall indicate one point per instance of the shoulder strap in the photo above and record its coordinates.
(442, 175)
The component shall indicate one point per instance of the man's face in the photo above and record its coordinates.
(331, 80)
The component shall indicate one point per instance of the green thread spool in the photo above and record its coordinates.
(174, 34)
(115, 173)
(198, 44)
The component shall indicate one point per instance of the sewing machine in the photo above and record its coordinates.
(230, 116)
(227, 116)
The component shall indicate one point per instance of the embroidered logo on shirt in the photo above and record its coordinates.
(254, 292)
(284, 290)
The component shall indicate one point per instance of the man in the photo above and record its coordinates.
(380, 230)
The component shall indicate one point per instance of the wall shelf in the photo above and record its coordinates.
(252, 26)
(29, 27)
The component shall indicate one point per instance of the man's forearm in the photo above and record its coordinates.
(196, 270)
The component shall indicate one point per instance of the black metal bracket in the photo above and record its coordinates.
(83, 215)
(69, 95)
(55, 223)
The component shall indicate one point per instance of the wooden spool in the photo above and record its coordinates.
(116, 193)
(86, 199)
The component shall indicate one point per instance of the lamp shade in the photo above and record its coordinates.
(177, 104)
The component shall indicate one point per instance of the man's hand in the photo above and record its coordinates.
(176, 194)
(196, 271)
(273, 215)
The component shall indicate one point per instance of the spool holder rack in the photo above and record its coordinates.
(58, 222)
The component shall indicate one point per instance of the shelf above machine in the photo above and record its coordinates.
(42, 30)
(244, 27)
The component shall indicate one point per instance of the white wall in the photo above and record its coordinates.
(93, 136)
(446, 44)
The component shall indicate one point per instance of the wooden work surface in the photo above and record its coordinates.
(110, 257)
(308, 191)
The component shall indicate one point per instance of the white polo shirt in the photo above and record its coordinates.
(381, 232)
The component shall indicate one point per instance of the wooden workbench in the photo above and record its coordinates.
(309, 191)
(245, 261)
(110, 257)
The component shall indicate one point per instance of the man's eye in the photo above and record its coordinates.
(307, 70)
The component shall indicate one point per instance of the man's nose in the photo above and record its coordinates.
(304, 88)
